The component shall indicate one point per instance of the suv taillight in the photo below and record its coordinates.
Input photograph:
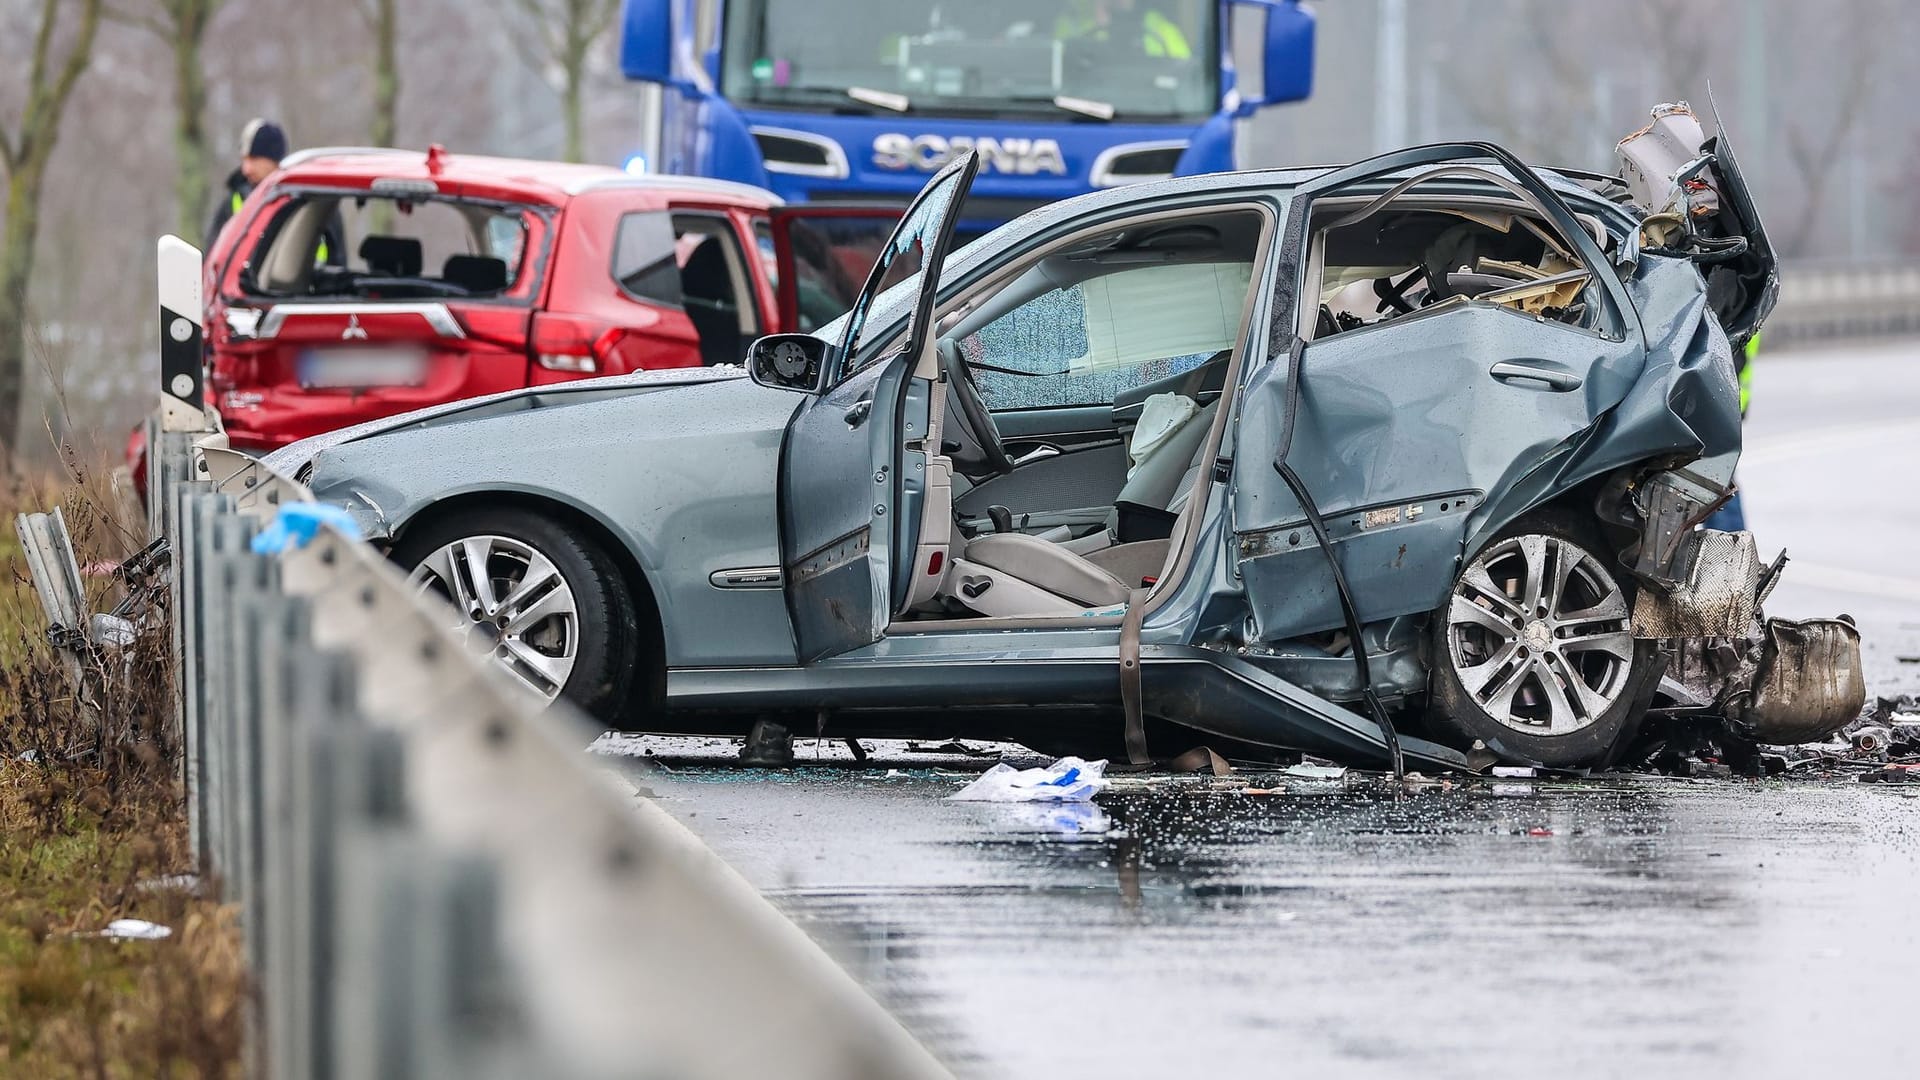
(574, 343)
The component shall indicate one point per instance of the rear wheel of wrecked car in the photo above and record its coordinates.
(1533, 654)
(549, 607)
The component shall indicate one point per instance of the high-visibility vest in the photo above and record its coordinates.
(1159, 35)
(320, 253)
(1749, 351)
(1163, 37)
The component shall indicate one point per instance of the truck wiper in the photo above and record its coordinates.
(879, 98)
(1099, 110)
(1087, 107)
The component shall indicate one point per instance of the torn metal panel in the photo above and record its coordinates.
(1716, 598)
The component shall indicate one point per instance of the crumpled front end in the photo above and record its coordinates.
(1773, 681)
(1704, 282)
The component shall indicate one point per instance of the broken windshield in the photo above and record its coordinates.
(1140, 58)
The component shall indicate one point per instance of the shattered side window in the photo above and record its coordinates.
(1092, 341)
(906, 255)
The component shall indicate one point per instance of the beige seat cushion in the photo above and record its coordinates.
(1132, 562)
(1049, 567)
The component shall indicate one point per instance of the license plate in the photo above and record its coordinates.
(339, 369)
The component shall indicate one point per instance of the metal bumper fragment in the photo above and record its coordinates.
(1809, 683)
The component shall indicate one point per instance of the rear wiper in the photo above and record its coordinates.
(880, 98)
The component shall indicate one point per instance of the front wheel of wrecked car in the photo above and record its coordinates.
(547, 606)
(1533, 654)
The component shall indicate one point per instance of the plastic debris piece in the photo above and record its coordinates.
(1515, 771)
(1067, 780)
(1062, 818)
(297, 523)
(136, 930)
(1316, 772)
(1539, 830)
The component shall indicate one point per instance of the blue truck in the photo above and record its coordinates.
(859, 101)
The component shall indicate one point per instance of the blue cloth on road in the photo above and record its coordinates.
(297, 523)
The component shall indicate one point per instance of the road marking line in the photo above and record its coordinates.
(1827, 440)
(1852, 581)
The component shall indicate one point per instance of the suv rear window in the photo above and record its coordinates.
(389, 248)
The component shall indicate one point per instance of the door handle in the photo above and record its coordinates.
(1511, 370)
(857, 414)
(1038, 453)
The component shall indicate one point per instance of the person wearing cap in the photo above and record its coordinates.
(263, 144)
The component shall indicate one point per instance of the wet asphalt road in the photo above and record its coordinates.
(1642, 928)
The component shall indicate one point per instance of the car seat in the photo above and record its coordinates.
(706, 290)
(479, 275)
(392, 256)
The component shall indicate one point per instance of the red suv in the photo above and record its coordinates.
(355, 284)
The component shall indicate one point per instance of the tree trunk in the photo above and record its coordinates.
(191, 160)
(570, 103)
(16, 276)
(386, 74)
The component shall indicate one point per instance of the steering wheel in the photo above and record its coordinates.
(974, 414)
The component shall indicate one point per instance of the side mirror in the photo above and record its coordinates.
(790, 362)
(1286, 59)
(646, 41)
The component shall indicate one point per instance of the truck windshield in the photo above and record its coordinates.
(1125, 59)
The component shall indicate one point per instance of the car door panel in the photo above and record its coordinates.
(1086, 474)
(1401, 431)
(833, 519)
(850, 499)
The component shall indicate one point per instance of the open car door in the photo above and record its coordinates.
(822, 254)
(851, 496)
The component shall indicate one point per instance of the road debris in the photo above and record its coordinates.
(133, 930)
(1066, 780)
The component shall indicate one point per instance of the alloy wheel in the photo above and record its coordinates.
(512, 604)
(1538, 634)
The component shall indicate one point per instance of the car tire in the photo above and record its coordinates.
(583, 645)
(1546, 678)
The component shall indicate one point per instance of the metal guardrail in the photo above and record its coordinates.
(434, 878)
(1821, 300)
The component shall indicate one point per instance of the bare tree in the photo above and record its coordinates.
(564, 33)
(24, 152)
(382, 21)
(182, 25)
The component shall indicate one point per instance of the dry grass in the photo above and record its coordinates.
(91, 830)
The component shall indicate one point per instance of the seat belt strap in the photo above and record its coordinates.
(1136, 731)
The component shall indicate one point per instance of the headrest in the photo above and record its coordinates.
(392, 256)
(476, 273)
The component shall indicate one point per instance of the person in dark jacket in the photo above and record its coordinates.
(263, 144)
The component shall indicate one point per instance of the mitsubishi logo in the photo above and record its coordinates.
(354, 331)
(1009, 156)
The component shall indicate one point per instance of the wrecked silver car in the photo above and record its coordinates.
(1402, 458)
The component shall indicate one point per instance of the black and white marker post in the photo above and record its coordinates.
(182, 416)
(181, 421)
